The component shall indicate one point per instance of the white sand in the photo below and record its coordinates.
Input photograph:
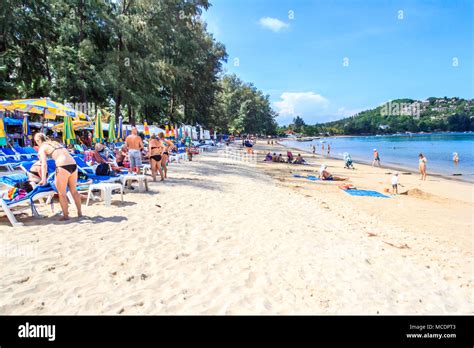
(236, 239)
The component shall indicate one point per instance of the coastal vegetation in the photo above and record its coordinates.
(142, 59)
(401, 115)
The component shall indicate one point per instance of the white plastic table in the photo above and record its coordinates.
(141, 179)
(106, 190)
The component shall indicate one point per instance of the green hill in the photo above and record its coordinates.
(401, 115)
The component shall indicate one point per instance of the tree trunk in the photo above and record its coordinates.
(118, 101)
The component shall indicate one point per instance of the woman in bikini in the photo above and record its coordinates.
(155, 153)
(66, 171)
(422, 166)
(168, 146)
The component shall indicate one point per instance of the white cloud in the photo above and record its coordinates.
(273, 24)
(310, 106)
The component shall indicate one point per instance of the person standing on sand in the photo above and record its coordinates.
(168, 146)
(329, 149)
(66, 172)
(422, 166)
(135, 145)
(155, 153)
(395, 183)
(322, 149)
(376, 158)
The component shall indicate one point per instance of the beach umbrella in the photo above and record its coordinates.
(76, 124)
(180, 132)
(26, 128)
(167, 132)
(172, 137)
(3, 134)
(146, 130)
(4, 104)
(120, 136)
(112, 138)
(69, 136)
(45, 106)
(98, 131)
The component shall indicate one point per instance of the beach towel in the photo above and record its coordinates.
(365, 193)
(309, 177)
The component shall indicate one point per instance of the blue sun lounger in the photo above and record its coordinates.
(38, 193)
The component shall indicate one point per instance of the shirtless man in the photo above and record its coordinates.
(135, 145)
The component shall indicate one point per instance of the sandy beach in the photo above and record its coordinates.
(223, 236)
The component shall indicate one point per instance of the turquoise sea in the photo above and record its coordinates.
(402, 150)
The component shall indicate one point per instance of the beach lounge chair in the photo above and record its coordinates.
(6, 164)
(24, 153)
(10, 155)
(38, 193)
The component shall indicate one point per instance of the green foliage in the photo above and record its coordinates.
(141, 58)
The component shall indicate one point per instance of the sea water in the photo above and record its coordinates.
(403, 150)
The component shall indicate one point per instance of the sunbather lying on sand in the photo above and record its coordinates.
(325, 175)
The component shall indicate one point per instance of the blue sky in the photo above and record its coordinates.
(324, 60)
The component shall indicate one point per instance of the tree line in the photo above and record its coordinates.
(150, 59)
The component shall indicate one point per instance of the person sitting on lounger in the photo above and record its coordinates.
(299, 159)
(325, 175)
(99, 157)
(268, 157)
(280, 158)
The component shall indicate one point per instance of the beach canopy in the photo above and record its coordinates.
(112, 138)
(3, 134)
(69, 136)
(45, 106)
(98, 131)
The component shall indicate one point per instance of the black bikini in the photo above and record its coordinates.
(156, 157)
(71, 168)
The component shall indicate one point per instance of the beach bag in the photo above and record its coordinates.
(103, 169)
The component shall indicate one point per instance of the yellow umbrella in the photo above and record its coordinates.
(48, 108)
(3, 135)
(76, 124)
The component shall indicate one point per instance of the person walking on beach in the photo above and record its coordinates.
(329, 149)
(66, 172)
(135, 145)
(422, 166)
(395, 183)
(376, 158)
(314, 150)
(322, 149)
